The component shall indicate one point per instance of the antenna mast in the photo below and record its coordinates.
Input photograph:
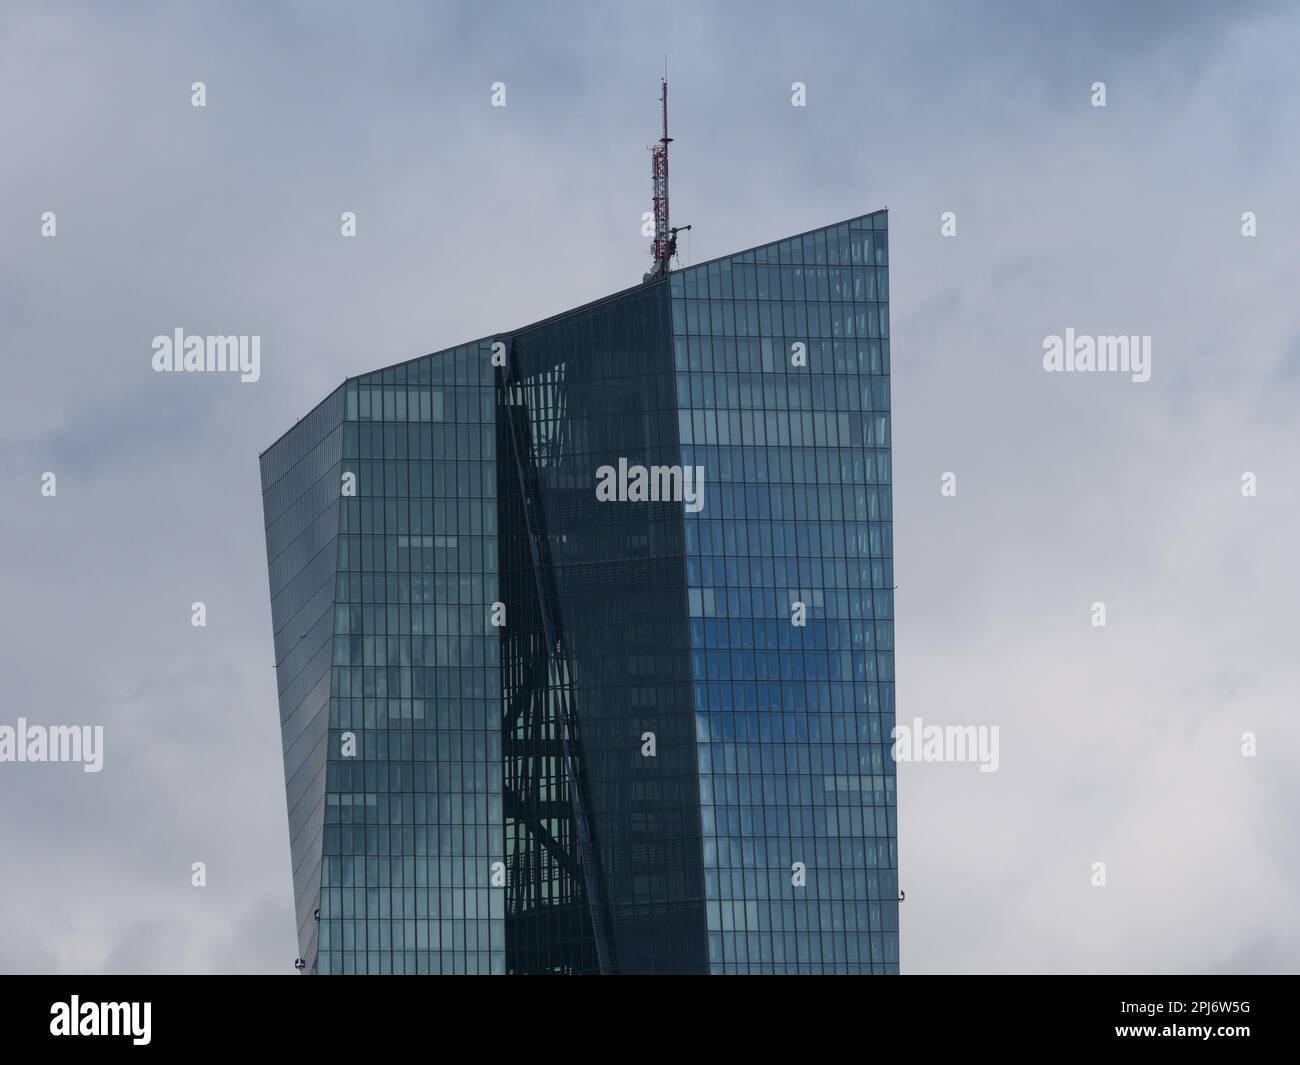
(665, 245)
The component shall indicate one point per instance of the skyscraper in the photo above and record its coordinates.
(584, 635)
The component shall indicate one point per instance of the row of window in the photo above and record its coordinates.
(376, 904)
(784, 321)
(444, 482)
(412, 621)
(773, 392)
(469, 934)
(795, 666)
(852, 418)
(826, 713)
(860, 815)
(758, 604)
(798, 697)
(410, 963)
(823, 538)
(743, 428)
(818, 742)
(802, 283)
(754, 392)
(448, 710)
(744, 634)
(466, 366)
(455, 839)
(407, 777)
(741, 464)
(404, 440)
(414, 656)
(463, 750)
(349, 871)
(762, 915)
(453, 574)
(411, 589)
(366, 682)
(796, 465)
(403, 515)
(801, 775)
(813, 575)
(395, 581)
(397, 554)
(773, 857)
(791, 952)
(768, 730)
(863, 241)
(845, 359)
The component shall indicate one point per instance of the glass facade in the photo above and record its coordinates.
(782, 383)
(413, 816)
(300, 503)
(399, 669)
(591, 388)
(532, 728)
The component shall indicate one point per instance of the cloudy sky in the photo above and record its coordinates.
(1119, 744)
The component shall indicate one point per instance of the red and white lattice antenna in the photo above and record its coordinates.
(665, 244)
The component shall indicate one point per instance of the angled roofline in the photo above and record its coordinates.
(324, 399)
(782, 240)
(590, 305)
